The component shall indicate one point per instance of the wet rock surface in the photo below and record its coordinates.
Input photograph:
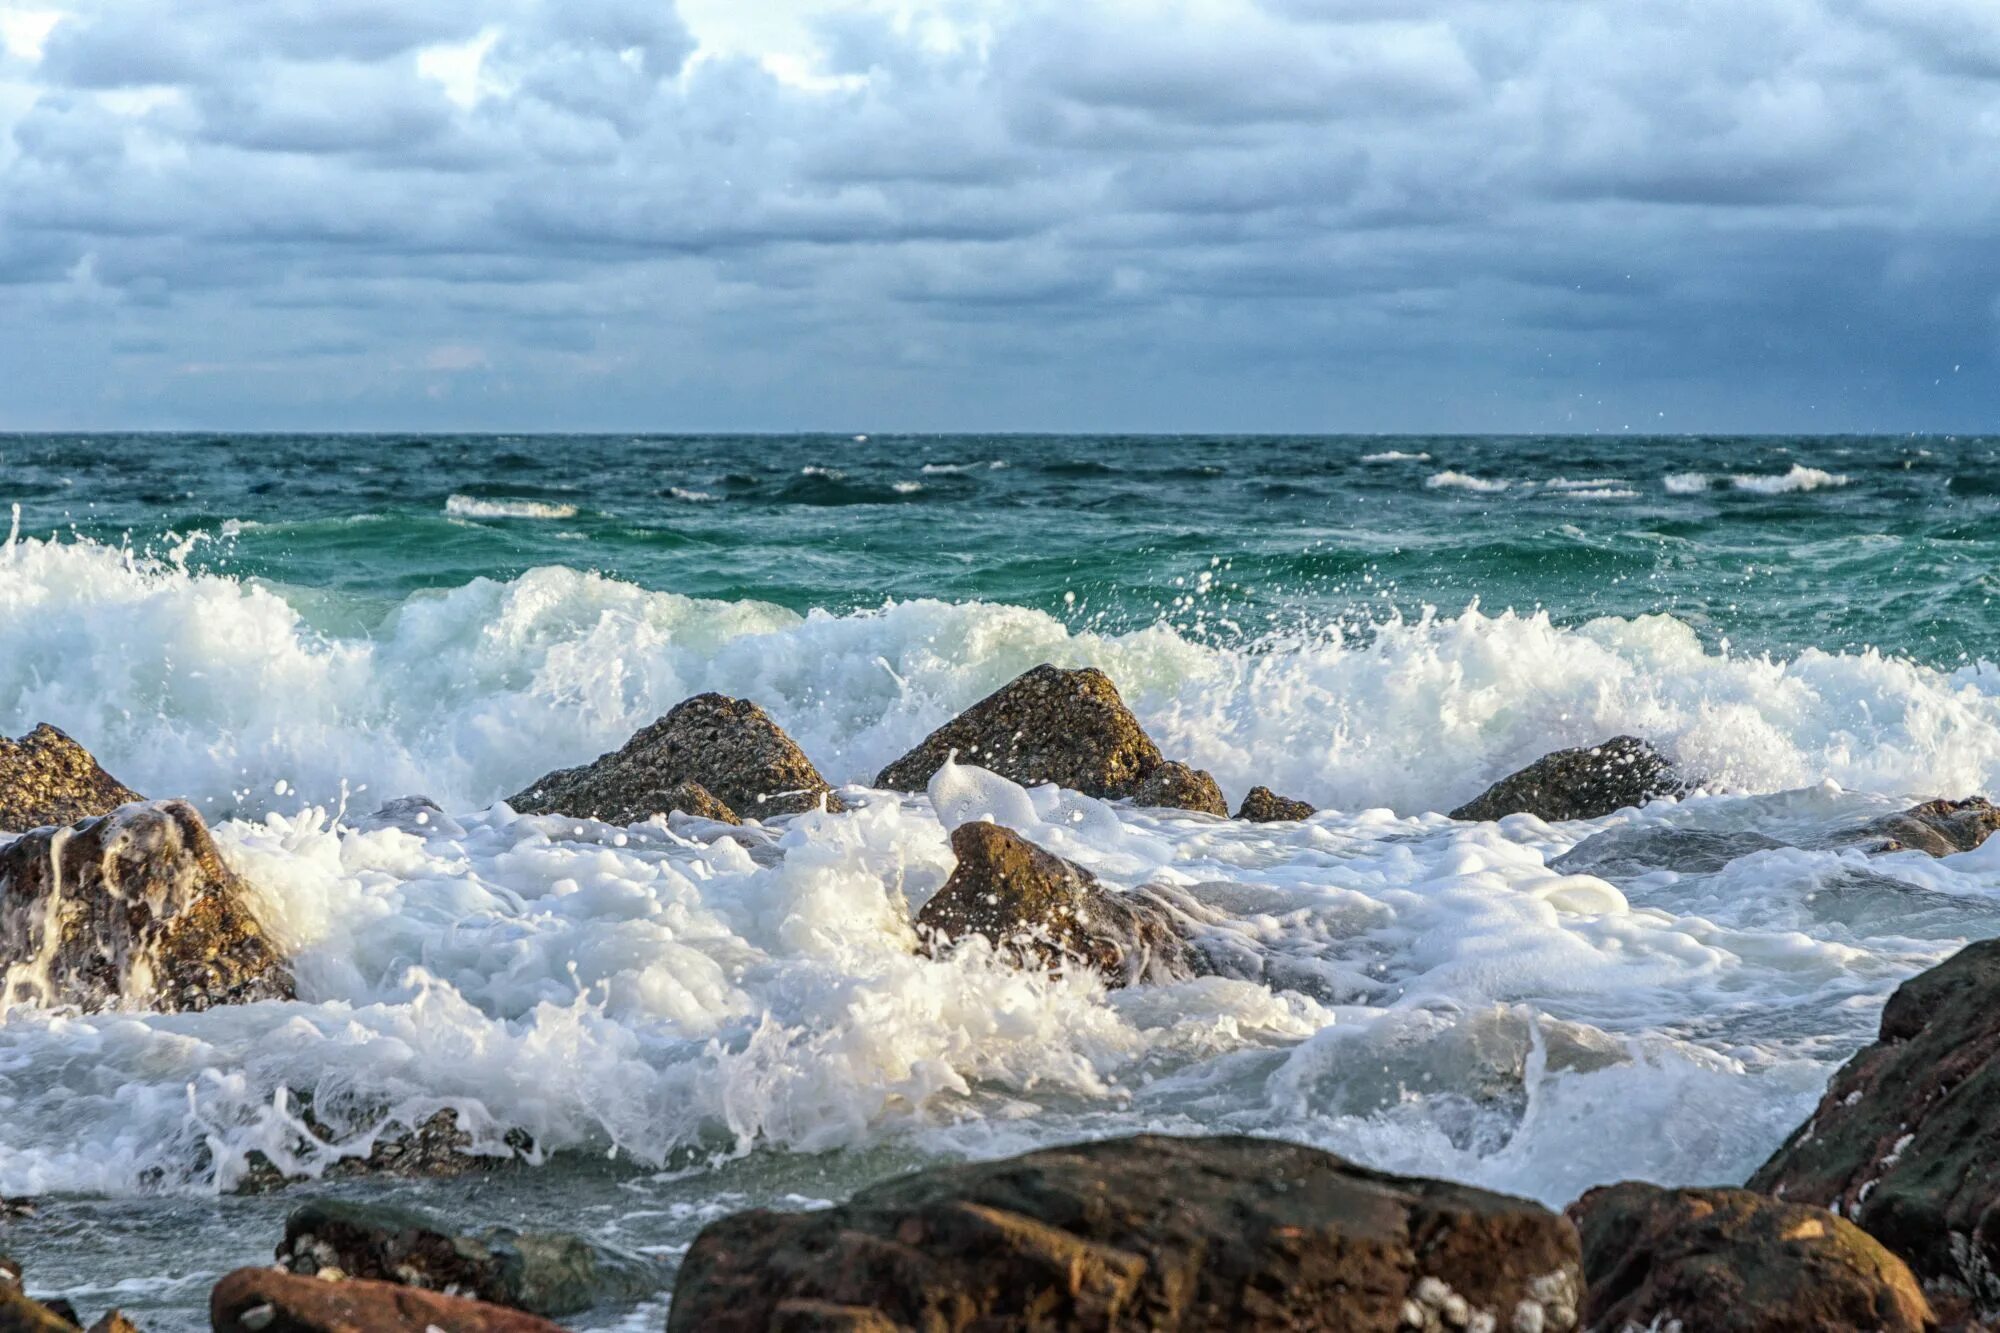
(727, 750)
(1641, 851)
(20, 1313)
(1937, 828)
(1175, 786)
(1733, 1261)
(550, 1274)
(46, 778)
(1264, 806)
(1042, 911)
(438, 1148)
(1906, 1142)
(1142, 1233)
(1584, 783)
(1047, 725)
(131, 909)
(261, 1300)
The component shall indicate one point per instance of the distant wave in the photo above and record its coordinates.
(1800, 478)
(468, 506)
(1460, 481)
(691, 497)
(1395, 456)
(934, 469)
(907, 487)
(1689, 483)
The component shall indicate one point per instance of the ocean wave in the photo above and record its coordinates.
(935, 469)
(202, 684)
(468, 506)
(1688, 483)
(1799, 478)
(1461, 481)
(687, 496)
(1395, 456)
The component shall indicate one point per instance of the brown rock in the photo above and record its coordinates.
(114, 1321)
(435, 1149)
(1048, 725)
(19, 1314)
(1730, 1261)
(1264, 806)
(1939, 828)
(1164, 1235)
(132, 909)
(727, 750)
(1175, 786)
(1584, 783)
(1044, 912)
(47, 778)
(261, 1300)
(1906, 1143)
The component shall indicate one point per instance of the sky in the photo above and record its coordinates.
(1092, 215)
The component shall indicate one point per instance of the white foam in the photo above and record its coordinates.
(1799, 478)
(907, 487)
(690, 496)
(1395, 456)
(467, 506)
(938, 468)
(1463, 482)
(207, 686)
(1688, 483)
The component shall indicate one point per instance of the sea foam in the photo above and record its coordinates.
(467, 506)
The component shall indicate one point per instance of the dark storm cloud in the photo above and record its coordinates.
(1307, 214)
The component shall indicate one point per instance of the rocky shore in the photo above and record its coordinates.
(1882, 1211)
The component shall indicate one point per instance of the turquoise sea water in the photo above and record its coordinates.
(292, 630)
(1775, 543)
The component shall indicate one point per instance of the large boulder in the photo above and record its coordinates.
(47, 778)
(709, 749)
(550, 1273)
(263, 1300)
(1906, 1142)
(1731, 1261)
(1584, 783)
(21, 1313)
(133, 909)
(1042, 911)
(1939, 828)
(1048, 725)
(1264, 806)
(1148, 1233)
(1175, 786)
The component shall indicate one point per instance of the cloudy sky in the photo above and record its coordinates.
(1306, 215)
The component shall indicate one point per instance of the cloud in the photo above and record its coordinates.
(1259, 214)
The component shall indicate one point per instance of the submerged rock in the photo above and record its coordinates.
(1145, 1233)
(262, 1300)
(435, 1149)
(543, 1273)
(1174, 786)
(47, 778)
(1640, 851)
(1731, 1261)
(1042, 911)
(416, 815)
(1585, 783)
(1264, 806)
(1047, 725)
(711, 750)
(1906, 1143)
(1939, 828)
(132, 909)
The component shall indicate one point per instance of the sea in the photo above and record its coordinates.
(293, 630)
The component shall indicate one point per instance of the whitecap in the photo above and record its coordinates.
(1688, 483)
(1395, 456)
(691, 496)
(1449, 480)
(1799, 478)
(467, 506)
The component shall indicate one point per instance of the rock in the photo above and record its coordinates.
(114, 1321)
(1939, 828)
(1584, 783)
(47, 778)
(547, 1274)
(1145, 1233)
(133, 909)
(1175, 786)
(1043, 912)
(1625, 850)
(262, 1300)
(1264, 806)
(727, 750)
(1731, 1261)
(20, 1314)
(1049, 725)
(1905, 1143)
(436, 1149)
